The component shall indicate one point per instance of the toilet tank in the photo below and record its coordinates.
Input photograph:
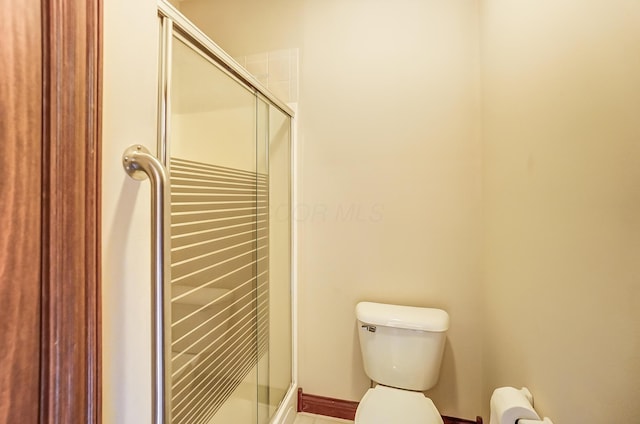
(402, 346)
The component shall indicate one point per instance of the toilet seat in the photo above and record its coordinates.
(387, 405)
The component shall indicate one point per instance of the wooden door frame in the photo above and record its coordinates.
(20, 209)
(70, 358)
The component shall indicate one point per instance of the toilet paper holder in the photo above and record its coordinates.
(529, 397)
(544, 421)
(514, 406)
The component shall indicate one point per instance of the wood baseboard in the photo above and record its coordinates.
(329, 407)
(454, 420)
(346, 409)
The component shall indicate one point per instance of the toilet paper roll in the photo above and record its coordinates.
(509, 405)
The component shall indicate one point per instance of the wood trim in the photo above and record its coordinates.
(454, 420)
(346, 409)
(70, 362)
(329, 407)
(20, 209)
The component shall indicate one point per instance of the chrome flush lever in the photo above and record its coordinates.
(370, 328)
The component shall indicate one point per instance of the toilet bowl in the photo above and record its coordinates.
(402, 349)
(386, 405)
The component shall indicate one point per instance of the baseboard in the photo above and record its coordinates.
(329, 407)
(346, 409)
(454, 420)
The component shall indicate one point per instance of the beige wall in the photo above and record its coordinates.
(562, 183)
(390, 199)
(247, 26)
(389, 206)
(129, 116)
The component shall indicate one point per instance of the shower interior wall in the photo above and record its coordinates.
(507, 210)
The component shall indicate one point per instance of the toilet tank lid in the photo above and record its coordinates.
(409, 317)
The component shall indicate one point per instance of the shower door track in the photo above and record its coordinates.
(184, 27)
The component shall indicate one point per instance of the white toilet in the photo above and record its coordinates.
(402, 350)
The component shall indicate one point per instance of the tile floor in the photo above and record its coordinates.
(304, 418)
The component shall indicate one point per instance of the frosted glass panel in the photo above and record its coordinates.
(214, 243)
(229, 159)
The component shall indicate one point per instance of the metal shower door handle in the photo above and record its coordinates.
(140, 164)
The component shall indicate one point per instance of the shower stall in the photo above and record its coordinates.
(223, 323)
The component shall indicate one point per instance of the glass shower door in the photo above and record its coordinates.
(274, 264)
(228, 150)
(216, 246)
